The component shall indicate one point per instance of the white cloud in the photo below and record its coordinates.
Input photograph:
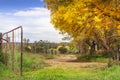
(35, 22)
(34, 12)
(41, 0)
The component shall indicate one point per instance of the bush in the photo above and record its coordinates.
(93, 58)
(63, 50)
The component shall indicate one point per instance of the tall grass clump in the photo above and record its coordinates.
(33, 62)
(5, 72)
(112, 73)
(1, 57)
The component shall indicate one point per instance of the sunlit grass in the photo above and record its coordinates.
(31, 71)
(103, 73)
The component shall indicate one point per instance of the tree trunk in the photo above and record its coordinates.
(119, 53)
(109, 56)
(92, 48)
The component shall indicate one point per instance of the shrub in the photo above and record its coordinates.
(93, 58)
(63, 50)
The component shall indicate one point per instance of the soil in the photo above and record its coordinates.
(68, 61)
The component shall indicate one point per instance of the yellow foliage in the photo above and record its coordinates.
(98, 27)
(118, 29)
(29, 47)
(83, 16)
(106, 27)
(97, 19)
(67, 47)
(58, 47)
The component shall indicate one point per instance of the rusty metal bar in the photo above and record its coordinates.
(6, 53)
(21, 51)
(13, 50)
(4, 40)
(8, 43)
(12, 30)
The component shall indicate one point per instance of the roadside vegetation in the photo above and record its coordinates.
(43, 72)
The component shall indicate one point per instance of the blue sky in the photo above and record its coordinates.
(8, 5)
(30, 14)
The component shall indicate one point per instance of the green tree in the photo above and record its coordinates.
(26, 45)
(62, 50)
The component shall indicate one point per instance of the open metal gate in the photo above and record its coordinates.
(11, 45)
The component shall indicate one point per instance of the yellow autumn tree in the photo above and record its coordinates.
(93, 18)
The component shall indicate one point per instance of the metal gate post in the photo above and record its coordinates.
(6, 50)
(0, 42)
(13, 50)
(21, 52)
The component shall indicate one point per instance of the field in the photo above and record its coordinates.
(60, 67)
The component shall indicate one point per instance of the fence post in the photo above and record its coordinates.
(0, 42)
(13, 50)
(6, 53)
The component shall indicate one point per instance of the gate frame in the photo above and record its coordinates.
(21, 46)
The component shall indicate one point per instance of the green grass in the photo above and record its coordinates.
(109, 74)
(92, 58)
(34, 68)
(77, 74)
(33, 62)
(93, 73)
(5, 73)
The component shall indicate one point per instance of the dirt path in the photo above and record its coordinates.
(67, 61)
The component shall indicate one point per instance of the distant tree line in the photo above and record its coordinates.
(47, 47)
